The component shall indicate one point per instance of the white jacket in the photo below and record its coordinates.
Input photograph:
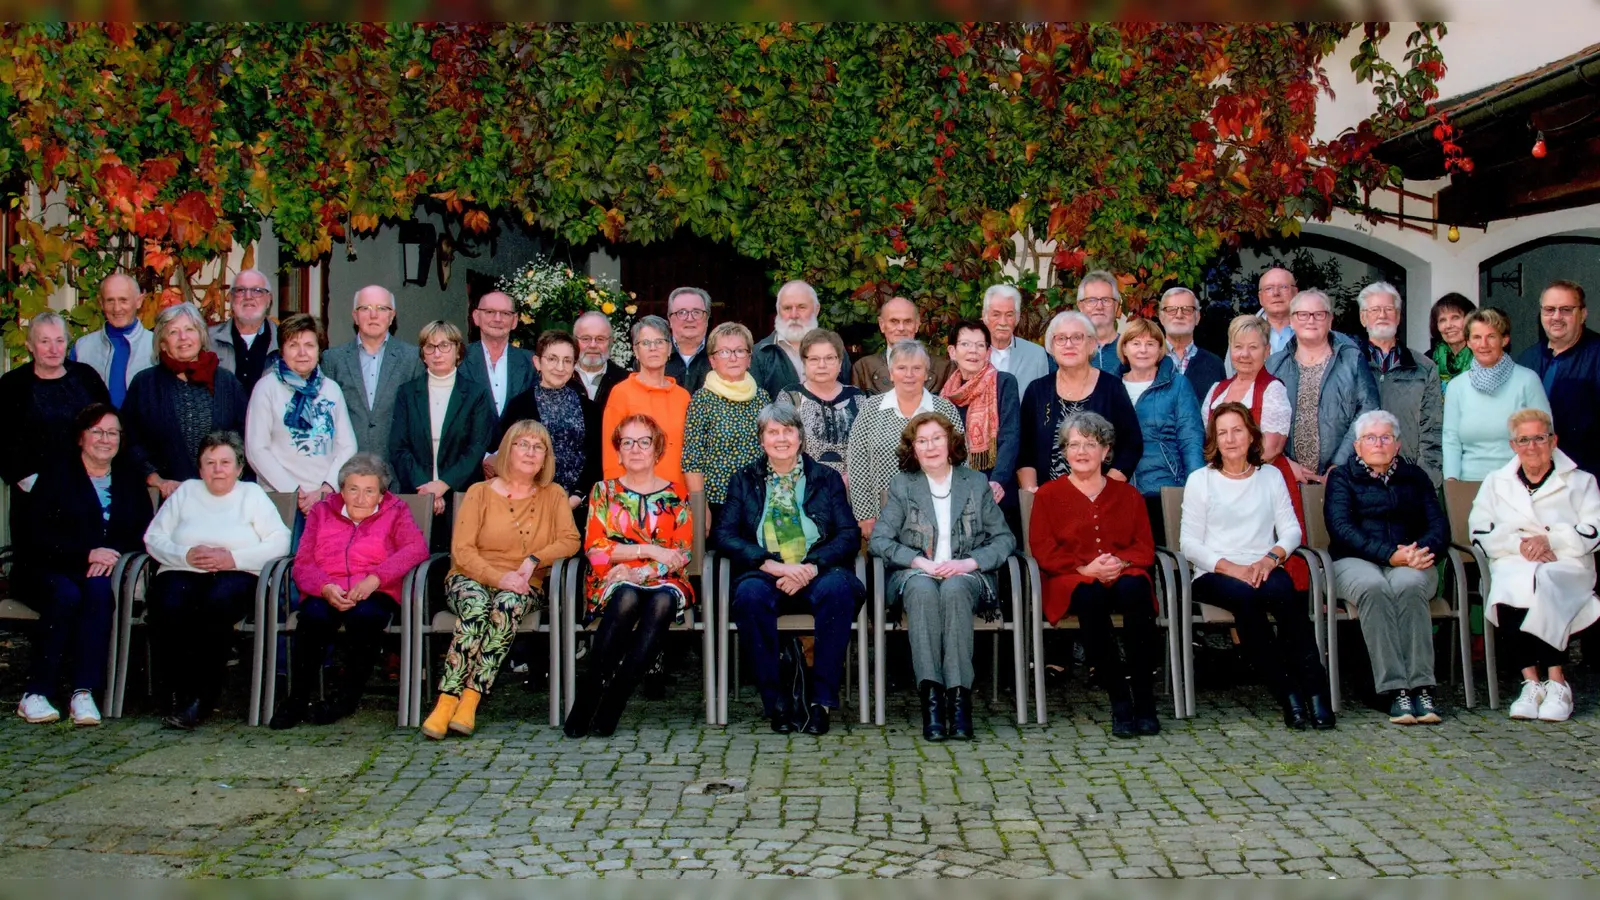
(1558, 596)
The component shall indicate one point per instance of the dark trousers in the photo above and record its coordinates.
(318, 628)
(1094, 604)
(1522, 648)
(1287, 661)
(75, 613)
(832, 599)
(192, 615)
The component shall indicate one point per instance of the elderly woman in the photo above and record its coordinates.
(871, 461)
(297, 430)
(1477, 405)
(648, 392)
(1238, 529)
(827, 409)
(1076, 387)
(990, 412)
(212, 537)
(1169, 415)
(1537, 518)
(87, 511)
(941, 536)
(442, 424)
(1095, 551)
(572, 419)
(1386, 529)
(720, 436)
(1447, 324)
(172, 406)
(357, 546)
(789, 532)
(638, 542)
(508, 531)
(1330, 382)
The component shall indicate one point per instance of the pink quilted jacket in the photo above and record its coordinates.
(335, 550)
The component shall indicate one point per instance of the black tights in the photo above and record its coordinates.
(624, 646)
(1524, 649)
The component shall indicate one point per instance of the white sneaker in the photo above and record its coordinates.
(37, 710)
(1526, 706)
(84, 712)
(1557, 703)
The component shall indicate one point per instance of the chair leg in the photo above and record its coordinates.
(878, 641)
(1493, 673)
(557, 601)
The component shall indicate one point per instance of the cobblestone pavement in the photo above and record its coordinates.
(1229, 793)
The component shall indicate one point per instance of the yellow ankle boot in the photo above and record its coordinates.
(438, 721)
(464, 719)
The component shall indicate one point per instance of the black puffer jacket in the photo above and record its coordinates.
(1368, 519)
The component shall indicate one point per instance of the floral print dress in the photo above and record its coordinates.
(619, 515)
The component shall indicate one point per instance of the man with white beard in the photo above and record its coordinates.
(595, 374)
(1408, 383)
(1179, 312)
(776, 362)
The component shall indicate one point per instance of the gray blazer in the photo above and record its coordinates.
(906, 527)
(1028, 363)
(519, 370)
(401, 363)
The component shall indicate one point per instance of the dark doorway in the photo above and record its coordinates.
(740, 287)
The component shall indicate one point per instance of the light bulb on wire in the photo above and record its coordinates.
(1454, 234)
(1539, 149)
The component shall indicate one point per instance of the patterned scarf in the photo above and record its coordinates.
(980, 399)
(781, 530)
(201, 370)
(302, 414)
(741, 391)
(1451, 364)
(1491, 379)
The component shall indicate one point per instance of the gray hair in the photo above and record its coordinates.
(1311, 294)
(656, 322)
(911, 346)
(698, 292)
(48, 317)
(1374, 289)
(1175, 291)
(1100, 276)
(1091, 425)
(224, 438)
(1372, 418)
(355, 302)
(1001, 292)
(595, 314)
(267, 282)
(798, 283)
(170, 316)
(366, 463)
(1060, 321)
(781, 413)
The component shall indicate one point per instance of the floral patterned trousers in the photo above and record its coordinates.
(486, 624)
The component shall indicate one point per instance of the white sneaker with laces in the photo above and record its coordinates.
(37, 710)
(1526, 706)
(84, 711)
(1557, 703)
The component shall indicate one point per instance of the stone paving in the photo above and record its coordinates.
(1227, 793)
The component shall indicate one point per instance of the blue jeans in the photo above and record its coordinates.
(75, 613)
(832, 598)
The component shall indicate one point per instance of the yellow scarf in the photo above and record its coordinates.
(741, 391)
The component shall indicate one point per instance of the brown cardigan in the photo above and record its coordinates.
(493, 534)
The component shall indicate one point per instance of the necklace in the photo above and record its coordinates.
(949, 487)
(1239, 474)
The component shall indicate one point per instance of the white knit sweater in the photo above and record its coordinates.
(243, 521)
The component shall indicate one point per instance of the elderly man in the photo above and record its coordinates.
(595, 373)
(491, 360)
(1025, 360)
(1276, 290)
(371, 368)
(1100, 299)
(1179, 312)
(1329, 386)
(1568, 362)
(1385, 528)
(776, 363)
(246, 342)
(121, 349)
(1408, 383)
(898, 320)
(689, 315)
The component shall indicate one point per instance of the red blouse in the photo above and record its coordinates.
(1069, 530)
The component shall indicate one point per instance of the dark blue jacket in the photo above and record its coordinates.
(1174, 435)
(1572, 382)
(736, 530)
(150, 432)
(1367, 519)
(1041, 417)
(1205, 370)
(67, 522)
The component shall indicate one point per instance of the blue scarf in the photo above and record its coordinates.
(1489, 380)
(117, 378)
(302, 414)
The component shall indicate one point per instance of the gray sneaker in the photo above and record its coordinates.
(1422, 705)
(1402, 710)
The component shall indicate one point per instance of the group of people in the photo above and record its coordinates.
(919, 454)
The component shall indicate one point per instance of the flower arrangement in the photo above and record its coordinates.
(549, 295)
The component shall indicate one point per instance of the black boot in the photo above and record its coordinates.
(1294, 712)
(933, 711)
(1145, 720)
(359, 659)
(958, 704)
(1322, 718)
(609, 710)
(586, 697)
(781, 717)
(187, 718)
(289, 713)
(1121, 710)
(817, 720)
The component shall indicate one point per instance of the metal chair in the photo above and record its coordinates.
(1458, 498)
(1164, 575)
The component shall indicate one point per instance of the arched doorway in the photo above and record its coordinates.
(1512, 280)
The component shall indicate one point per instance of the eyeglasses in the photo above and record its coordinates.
(105, 434)
(1382, 310)
(374, 309)
(1276, 289)
(1564, 312)
(529, 446)
(557, 361)
(1083, 446)
(740, 353)
(644, 443)
(650, 343)
(1377, 440)
(1530, 440)
(1097, 301)
(1320, 315)
(439, 347)
(688, 315)
(594, 339)
(971, 345)
(1069, 340)
(1180, 311)
(251, 292)
(498, 313)
(929, 443)
(829, 360)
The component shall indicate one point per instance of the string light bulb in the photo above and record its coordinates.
(1539, 149)
(1454, 234)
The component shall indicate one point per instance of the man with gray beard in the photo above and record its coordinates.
(1408, 383)
(776, 362)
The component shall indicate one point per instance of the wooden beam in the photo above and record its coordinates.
(1568, 177)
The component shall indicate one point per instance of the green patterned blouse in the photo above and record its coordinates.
(719, 439)
(1451, 364)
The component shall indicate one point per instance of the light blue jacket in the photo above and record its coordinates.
(1174, 434)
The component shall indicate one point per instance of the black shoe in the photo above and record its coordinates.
(291, 712)
(608, 712)
(332, 710)
(1145, 720)
(582, 713)
(781, 718)
(1322, 712)
(185, 719)
(654, 684)
(1427, 711)
(958, 706)
(1294, 713)
(1402, 710)
(817, 721)
(933, 717)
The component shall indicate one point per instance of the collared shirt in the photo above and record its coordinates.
(497, 377)
(1000, 358)
(687, 357)
(1182, 358)
(1385, 362)
(794, 357)
(371, 365)
(591, 380)
(887, 400)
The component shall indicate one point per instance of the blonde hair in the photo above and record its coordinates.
(518, 431)
(1139, 327)
(727, 330)
(1241, 324)
(1491, 317)
(435, 329)
(1531, 414)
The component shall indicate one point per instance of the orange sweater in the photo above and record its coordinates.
(494, 534)
(668, 406)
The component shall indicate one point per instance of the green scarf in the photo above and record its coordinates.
(1451, 364)
(781, 529)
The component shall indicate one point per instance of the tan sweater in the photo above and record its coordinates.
(494, 534)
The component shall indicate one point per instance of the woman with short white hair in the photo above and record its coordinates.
(870, 462)
(1077, 387)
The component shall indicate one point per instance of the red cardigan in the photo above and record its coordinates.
(1069, 530)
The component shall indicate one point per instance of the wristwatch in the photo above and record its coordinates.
(533, 559)
(1276, 559)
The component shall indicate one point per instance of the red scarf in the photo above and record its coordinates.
(979, 397)
(201, 370)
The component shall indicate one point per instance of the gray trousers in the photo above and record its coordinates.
(939, 623)
(1392, 606)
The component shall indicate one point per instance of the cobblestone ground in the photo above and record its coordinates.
(1228, 793)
